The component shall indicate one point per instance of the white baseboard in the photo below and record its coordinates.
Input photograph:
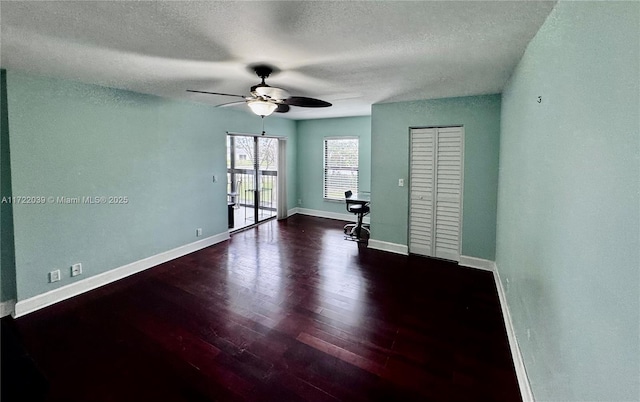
(32, 304)
(292, 211)
(7, 307)
(330, 215)
(478, 263)
(518, 362)
(386, 246)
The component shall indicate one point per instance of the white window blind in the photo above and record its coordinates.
(340, 167)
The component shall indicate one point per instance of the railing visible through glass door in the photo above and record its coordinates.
(252, 178)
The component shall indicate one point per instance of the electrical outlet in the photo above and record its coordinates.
(400, 182)
(76, 269)
(54, 276)
(299, 201)
(199, 232)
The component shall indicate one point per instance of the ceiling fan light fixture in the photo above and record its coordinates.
(262, 108)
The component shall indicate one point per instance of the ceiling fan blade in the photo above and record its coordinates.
(214, 93)
(302, 101)
(282, 108)
(230, 103)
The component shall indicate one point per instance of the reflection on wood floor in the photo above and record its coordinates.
(287, 311)
(244, 216)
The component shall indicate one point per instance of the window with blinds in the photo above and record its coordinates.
(340, 167)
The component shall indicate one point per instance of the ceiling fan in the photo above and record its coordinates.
(265, 99)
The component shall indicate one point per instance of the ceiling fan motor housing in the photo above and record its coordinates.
(265, 91)
(269, 93)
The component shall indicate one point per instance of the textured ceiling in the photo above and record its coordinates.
(352, 54)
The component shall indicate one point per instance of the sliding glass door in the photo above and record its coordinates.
(252, 170)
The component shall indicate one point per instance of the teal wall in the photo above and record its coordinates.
(7, 254)
(390, 123)
(70, 139)
(568, 239)
(311, 134)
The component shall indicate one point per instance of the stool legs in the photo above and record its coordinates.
(349, 229)
(354, 230)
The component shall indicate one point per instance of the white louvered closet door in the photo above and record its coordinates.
(421, 191)
(436, 214)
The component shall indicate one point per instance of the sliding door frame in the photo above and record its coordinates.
(280, 180)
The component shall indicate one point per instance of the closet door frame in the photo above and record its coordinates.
(435, 164)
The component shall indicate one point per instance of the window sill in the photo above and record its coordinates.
(334, 200)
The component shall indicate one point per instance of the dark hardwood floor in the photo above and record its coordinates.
(288, 311)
